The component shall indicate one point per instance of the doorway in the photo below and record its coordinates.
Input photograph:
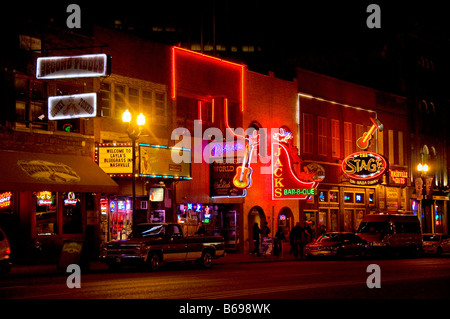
(256, 215)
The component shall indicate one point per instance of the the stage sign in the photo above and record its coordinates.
(364, 168)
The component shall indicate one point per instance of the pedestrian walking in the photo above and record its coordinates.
(256, 232)
(279, 239)
(295, 237)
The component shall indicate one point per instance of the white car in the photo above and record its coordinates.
(5, 252)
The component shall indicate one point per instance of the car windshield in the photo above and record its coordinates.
(329, 238)
(149, 230)
(431, 237)
(372, 227)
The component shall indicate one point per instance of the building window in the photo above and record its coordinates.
(349, 197)
(119, 100)
(322, 135)
(391, 146)
(334, 197)
(359, 131)
(335, 139)
(105, 99)
(308, 133)
(359, 198)
(401, 158)
(46, 216)
(31, 98)
(348, 139)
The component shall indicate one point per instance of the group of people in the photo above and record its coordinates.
(298, 237)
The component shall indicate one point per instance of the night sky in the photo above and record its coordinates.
(330, 37)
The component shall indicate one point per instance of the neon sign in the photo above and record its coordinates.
(71, 199)
(44, 198)
(399, 177)
(285, 182)
(89, 65)
(5, 199)
(364, 168)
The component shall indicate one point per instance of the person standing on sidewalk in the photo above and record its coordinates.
(295, 237)
(256, 232)
(279, 239)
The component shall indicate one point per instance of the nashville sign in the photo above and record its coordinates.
(364, 168)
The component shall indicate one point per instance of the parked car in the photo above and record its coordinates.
(155, 243)
(5, 252)
(390, 232)
(336, 244)
(436, 244)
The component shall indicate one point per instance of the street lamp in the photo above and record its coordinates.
(134, 130)
(421, 187)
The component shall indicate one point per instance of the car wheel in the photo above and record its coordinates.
(206, 260)
(154, 262)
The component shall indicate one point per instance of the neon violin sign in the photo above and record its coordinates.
(286, 184)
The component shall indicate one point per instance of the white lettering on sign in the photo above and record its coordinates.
(89, 65)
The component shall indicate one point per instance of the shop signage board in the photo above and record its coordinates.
(221, 179)
(398, 177)
(89, 65)
(364, 168)
(157, 161)
(286, 184)
(72, 106)
(115, 159)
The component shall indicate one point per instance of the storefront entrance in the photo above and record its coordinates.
(256, 215)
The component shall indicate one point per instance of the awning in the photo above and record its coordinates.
(22, 171)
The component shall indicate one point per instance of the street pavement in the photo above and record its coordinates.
(21, 270)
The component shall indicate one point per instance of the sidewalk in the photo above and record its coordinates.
(97, 266)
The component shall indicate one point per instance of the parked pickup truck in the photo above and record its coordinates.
(152, 244)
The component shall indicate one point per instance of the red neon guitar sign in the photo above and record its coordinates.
(242, 179)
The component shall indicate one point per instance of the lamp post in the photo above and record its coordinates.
(422, 169)
(134, 130)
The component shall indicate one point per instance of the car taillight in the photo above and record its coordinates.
(8, 251)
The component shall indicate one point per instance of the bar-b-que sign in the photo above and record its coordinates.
(365, 168)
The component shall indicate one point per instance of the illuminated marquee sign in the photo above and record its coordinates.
(399, 177)
(285, 182)
(5, 199)
(364, 168)
(90, 65)
(72, 106)
(115, 159)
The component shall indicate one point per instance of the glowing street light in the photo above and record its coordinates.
(134, 130)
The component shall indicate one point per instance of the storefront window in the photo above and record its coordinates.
(46, 219)
(359, 198)
(334, 197)
(323, 196)
(333, 220)
(72, 221)
(348, 197)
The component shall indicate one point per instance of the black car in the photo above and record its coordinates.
(336, 244)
